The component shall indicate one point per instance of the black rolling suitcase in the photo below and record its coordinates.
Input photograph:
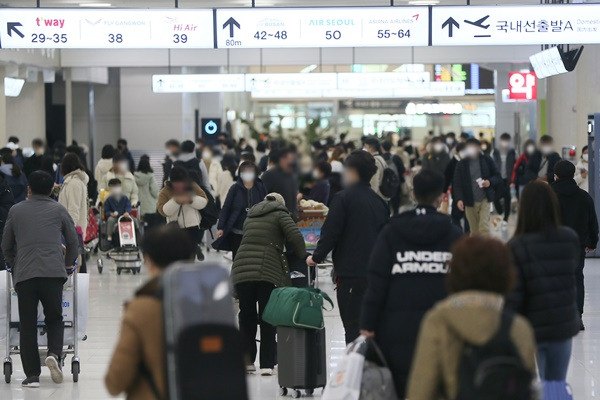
(205, 355)
(301, 358)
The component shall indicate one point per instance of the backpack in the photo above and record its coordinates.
(390, 182)
(494, 370)
(210, 213)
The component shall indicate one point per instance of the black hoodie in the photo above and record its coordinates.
(578, 211)
(406, 278)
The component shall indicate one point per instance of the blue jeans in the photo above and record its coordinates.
(553, 359)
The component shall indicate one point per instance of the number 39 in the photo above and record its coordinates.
(177, 38)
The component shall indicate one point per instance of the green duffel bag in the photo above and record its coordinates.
(296, 307)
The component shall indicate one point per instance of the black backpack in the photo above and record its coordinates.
(210, 213)
(494, 371)
(391, 180)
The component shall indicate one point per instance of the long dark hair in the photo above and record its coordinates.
(144, 165)
(7, 158)
(71, 162)
(229, 164)
(539, 210)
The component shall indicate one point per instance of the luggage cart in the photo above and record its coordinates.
(12, 327)
(127, 255)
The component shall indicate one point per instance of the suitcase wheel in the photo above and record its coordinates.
(310, 392)
(283, 391)
(296, 394)
(7, 371)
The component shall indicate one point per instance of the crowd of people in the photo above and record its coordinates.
(421, 278)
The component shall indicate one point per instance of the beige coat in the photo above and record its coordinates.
(103, 166)
(473, 317)
(130, 188)
(141, 341)
(186, 215)
(74, 197)
(378, 177)
(214, 172)
(224, 184)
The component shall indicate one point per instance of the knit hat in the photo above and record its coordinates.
(564, 169)
(275, 197)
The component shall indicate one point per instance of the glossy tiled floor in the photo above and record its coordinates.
(109, 291)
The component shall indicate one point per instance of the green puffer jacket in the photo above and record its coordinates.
(260, 257)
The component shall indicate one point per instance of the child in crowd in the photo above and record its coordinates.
(115, 206)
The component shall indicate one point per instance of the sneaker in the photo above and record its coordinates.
(33, 382)
(266, 371)
(53, 364)
(250, 368)
(199, 253)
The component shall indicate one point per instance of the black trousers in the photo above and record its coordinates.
(249, 294)
(236, 241)
(579, 281)
(458, 218)
(350, 295)
(49, 292)
(502, 202)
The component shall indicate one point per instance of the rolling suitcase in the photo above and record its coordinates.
(205, 355)
(301, 358)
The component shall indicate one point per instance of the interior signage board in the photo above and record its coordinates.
(198, 83)
(61, 28)
(322, 27)
(515, 25)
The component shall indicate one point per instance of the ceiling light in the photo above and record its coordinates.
(308, 69)
(95, 5)
(423, 2)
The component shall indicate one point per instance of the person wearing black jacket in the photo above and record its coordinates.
(6, 202)
(386, 148)
(473, 186)
(282, 179)
(242, 196)
(505, 158)
(457, 216)
(124, 150)
(545, 255)
(579, 213)
(541, 164)
(406, 275)
(356, 216)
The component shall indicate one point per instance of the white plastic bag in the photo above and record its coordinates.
(344, 383)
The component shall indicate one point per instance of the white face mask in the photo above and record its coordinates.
(316, 174)
(504, 144)
(329, 154)
(450, 141)
(484, 147)
(438, 147)
(124, 166)
(116, 191)
(463, 154)
(546, 150)
(206, 155)
(247, 176)
(530, 149)
(585, 157)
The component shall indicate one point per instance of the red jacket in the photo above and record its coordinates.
(521, 162)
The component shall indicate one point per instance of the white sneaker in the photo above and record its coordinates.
(251, 368)
(55, 370)
(228, 256)
(266, 371)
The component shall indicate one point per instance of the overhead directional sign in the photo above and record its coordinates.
(322, 27)
(515, 25)
(85, 28)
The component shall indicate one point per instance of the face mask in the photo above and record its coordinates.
(329, 154)
(463, 154)
(438, 147)
(505, 144)
(116, 191)
(530, 150)
(206, 155)
(450, 141)
(484, 147)
(247, 176)
(124, 166)
(546, 150)
(584, 157)
(316, 175)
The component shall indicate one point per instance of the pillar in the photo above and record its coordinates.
(68, 107)
(3, 124)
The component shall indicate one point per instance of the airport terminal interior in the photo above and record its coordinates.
(129, 85)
